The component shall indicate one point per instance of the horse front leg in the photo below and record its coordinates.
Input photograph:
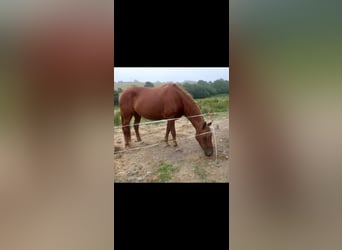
(167, 133)
(173, 132)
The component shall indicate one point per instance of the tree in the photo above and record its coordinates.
(116, 97)
(221, 86)
(149, 85)
(189, 88)
(201, 82)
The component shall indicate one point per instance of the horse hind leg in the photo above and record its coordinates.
(173, 132)
(137, 119)
(126, 129)
(167, 133)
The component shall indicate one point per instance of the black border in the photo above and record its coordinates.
(171, 215)
(174, 33)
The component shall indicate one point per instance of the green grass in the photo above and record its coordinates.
(165, 171)
(117, 117)
(214, 104)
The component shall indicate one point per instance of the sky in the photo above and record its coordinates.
(169, 74)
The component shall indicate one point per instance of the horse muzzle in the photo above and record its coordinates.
(208, 152)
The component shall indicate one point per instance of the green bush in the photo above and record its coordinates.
(117, 118)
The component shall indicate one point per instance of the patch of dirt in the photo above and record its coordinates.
(142, 160)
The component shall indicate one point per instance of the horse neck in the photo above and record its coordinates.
(197, 122)
(191, 109)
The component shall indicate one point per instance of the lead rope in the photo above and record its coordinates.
(213, 130)
(210, 114)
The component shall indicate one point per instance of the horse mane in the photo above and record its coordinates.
(181, 88)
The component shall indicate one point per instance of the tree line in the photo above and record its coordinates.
(201, 89)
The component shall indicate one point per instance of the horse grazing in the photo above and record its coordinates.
(165, 102)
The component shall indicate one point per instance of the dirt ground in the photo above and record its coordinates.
(145, 160)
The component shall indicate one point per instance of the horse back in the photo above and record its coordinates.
(152, 103)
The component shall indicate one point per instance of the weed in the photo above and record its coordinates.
(165, 171)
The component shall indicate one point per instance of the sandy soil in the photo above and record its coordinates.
(142, 161)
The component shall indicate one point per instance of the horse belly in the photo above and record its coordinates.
(156, 111)
(150, 112)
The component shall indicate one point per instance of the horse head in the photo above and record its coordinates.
(204, 138)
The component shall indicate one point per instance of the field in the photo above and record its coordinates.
(153, 161)
(130, 84)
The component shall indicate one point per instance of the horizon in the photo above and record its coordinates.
(169, 74)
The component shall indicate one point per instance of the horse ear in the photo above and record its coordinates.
(204, 124)
(210, 123)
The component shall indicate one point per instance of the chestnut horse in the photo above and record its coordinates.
(164, 102)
